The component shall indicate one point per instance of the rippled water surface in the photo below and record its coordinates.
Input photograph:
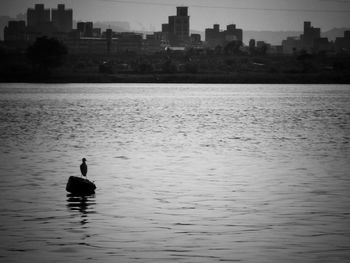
(185, 173)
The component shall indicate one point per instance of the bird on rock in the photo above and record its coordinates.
(83, 168)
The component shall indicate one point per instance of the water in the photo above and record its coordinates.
(185, 173)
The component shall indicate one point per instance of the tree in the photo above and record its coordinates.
(169, 67)
(46, 54)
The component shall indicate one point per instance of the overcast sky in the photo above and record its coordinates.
(246, 14)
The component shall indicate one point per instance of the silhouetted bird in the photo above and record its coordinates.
(83, 167)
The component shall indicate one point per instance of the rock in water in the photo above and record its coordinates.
(80, 186)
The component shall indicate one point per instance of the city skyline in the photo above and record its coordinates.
(251, 15)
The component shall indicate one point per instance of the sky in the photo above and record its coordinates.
(274, 15)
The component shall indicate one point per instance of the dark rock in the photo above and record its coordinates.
(80, 186)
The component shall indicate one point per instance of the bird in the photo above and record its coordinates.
(83, 168)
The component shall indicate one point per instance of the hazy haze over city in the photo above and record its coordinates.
(275, 15)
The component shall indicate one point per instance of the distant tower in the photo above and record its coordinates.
(62, 18)
(310, 35)
(89, 28)
(251, 45)
(86, 29)
(81, 27)
(182, 11)
(38, 16)
(307, 26)
(15, 31)
(109, 34)
(179, 26)
(216, 28)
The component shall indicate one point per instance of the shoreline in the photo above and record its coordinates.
(187, 78)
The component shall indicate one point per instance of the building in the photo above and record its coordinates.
(309, 41)
(309, 36)
(177, 30)
(15, 31)
(291, 45)
(62, 18)
(129, 42)
(342, 44)
(39, 22)
(251, 46)
(233, 34)
(153, 43)
(86, 29)
(195, 39)
(96, 32)
(322, 45)
(214, 37)
(92, 45)
(38, 16)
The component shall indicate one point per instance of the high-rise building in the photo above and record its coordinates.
(251, 45)
(178, 27)
(310, 35)
(214, 37)
(15, 31)
(89, 28)
(62, 18)
(81, 27)
(342, 44)
(38, 16)
(233, 34)
(86, 29)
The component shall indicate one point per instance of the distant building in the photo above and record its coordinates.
(62, 18)
(129, 42)
(214, 37)
(15, 31)
(309, 36)
(89, 29)
(322, 45)
(90, 45)
(291, 45)
(153, 43)
(309, 41)
(38, 16)
(177, 30)
(40, 23)
(252, 45)
(96, 32)
(195, 38)
(342, 44)
(86, 29)
(233, 34)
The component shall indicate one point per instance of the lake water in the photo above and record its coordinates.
(184, 173)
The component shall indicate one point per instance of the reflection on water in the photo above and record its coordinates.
(82, 204)
(184, 173)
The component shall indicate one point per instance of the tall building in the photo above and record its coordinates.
(81, 27)
(86, 29)
(214, 37)
(89, 28)
(310, 35)
(62, 18)
(39, 22)
(178, 27)
(38, 16)
(15, 31)
(233, 34)
(342, 44)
